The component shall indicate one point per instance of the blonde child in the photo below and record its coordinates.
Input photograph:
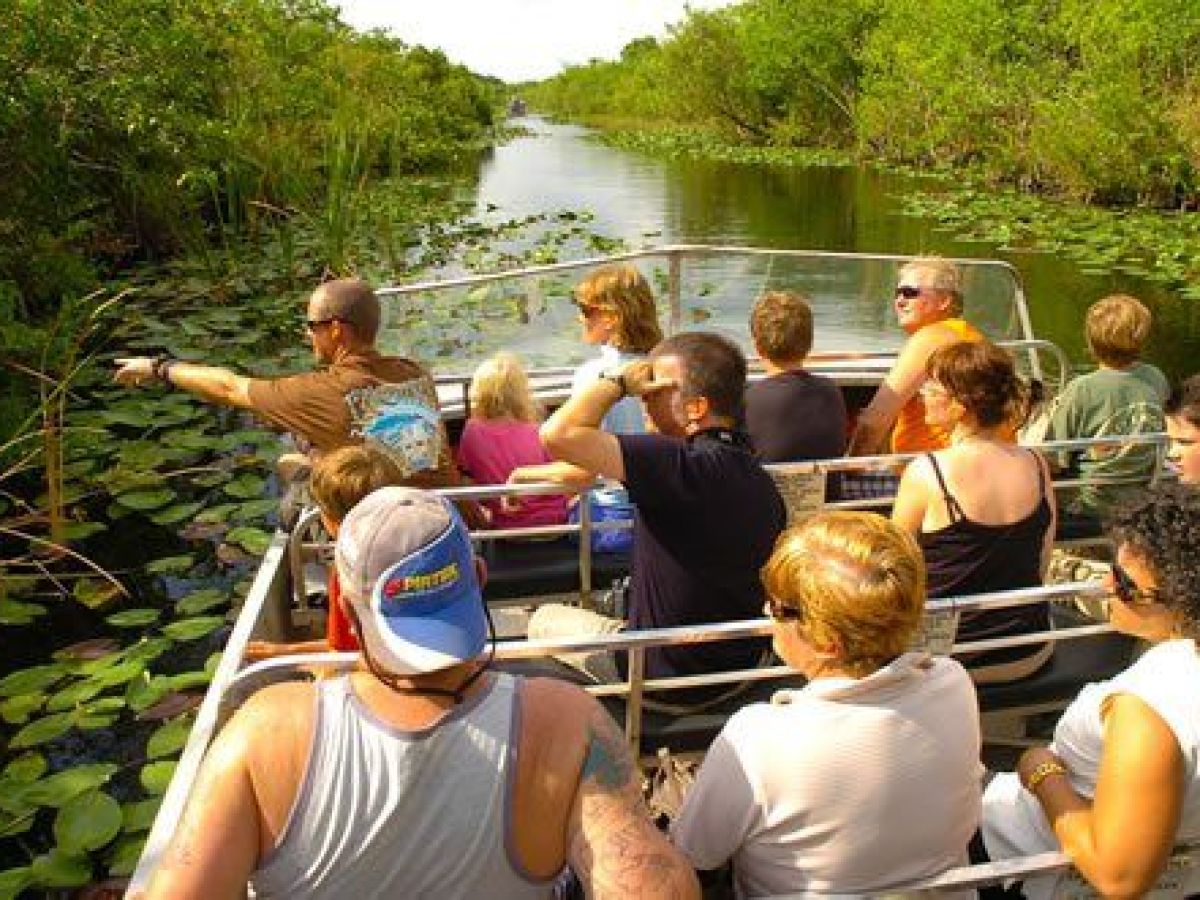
(501, 435)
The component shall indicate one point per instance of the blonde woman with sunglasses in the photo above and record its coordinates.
(617, 315)
(867, 777)
(1120, 782)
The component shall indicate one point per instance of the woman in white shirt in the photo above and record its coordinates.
(867, 777)
(1120, 782)
(617, 314)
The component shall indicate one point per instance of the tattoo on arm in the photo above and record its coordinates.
(614, 847)
(608, 760)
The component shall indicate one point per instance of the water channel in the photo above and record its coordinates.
(649, 201)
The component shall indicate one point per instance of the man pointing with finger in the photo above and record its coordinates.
(359, 395)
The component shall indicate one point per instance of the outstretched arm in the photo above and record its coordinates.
(612, 845)
(1121, 840)
(211, 383)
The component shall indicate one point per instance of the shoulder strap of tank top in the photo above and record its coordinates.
(1037, 461)
(952, 508)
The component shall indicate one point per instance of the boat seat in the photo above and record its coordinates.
(538, 568)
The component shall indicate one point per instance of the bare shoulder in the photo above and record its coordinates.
(279, 710)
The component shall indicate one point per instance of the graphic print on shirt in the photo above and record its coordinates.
(403, 421)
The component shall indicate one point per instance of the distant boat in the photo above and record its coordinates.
(516, 107)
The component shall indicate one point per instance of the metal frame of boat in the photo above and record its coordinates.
(268, 608)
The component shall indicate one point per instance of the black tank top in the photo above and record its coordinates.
(968, 557)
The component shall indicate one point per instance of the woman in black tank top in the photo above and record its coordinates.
(982, 510)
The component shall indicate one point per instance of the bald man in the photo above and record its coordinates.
(358, 395)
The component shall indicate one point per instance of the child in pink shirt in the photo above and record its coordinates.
(502, 434)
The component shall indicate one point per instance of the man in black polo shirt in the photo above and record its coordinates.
(708, 514)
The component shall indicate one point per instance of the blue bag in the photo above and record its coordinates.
(609, 504)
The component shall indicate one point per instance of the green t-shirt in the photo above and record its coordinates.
(1110, 402)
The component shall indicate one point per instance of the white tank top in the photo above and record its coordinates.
(384, 812)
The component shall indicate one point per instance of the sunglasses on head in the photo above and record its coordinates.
(1127, 590)
(781, 612)
(909, 292)
(587, 309)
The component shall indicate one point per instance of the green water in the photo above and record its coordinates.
(648, 201)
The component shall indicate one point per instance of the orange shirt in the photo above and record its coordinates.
(338, 632)
(911, 433)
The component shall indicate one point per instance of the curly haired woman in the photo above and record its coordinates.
(1120, 782)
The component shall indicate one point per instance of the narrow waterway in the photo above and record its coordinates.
(648, 201)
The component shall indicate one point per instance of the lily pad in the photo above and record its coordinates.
(95, 592)
(149, 648)
(176, 513)
(169, 738)
(17, 710)
(68, 784)
(169, 706)
(191, 629)
(57, 869)
(26, 768)
(14, 881)
(253, 540)
(15, 612)
(156, 776)
(77, 531)
(139, 816)
(171, 565)
(126, 855)
(95, 648)
(42, 730)
(246, 487)
(32, 679)
(87, 822)
(133, 618)
(146, 500)
(120, 673)
(73, 696)
(202, 600)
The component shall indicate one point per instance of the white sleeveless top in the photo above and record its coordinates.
(1167, 679)
(384, 812)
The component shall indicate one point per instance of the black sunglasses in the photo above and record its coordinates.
(1127, 590)
(314, 324)
(781, 612)
(908, 292)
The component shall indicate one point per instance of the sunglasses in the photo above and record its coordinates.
(314, 324)
(781, 612)
(1127, 590)
(909, 292)
(587, 310)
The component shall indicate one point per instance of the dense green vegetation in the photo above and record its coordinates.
(1095, 99)
(146, 128)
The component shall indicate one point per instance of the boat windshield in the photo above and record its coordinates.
(454, 324)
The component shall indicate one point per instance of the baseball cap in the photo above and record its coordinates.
(406, 566)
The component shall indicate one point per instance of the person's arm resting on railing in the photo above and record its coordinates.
(1123, 838)
(899, 386)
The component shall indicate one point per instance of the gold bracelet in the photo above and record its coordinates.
(1042, 772)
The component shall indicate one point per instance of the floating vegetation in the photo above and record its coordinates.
(701, 145)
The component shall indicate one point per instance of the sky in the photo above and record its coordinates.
(521, 40)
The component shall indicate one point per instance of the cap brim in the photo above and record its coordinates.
(415, 642)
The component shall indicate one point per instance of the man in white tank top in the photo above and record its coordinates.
(423, 773)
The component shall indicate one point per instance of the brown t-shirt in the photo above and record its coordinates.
(387, 401)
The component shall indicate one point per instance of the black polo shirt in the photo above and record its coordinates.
(707, 519)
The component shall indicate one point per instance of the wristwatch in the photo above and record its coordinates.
(617, 377)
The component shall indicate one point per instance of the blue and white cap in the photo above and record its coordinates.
(406, 566)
